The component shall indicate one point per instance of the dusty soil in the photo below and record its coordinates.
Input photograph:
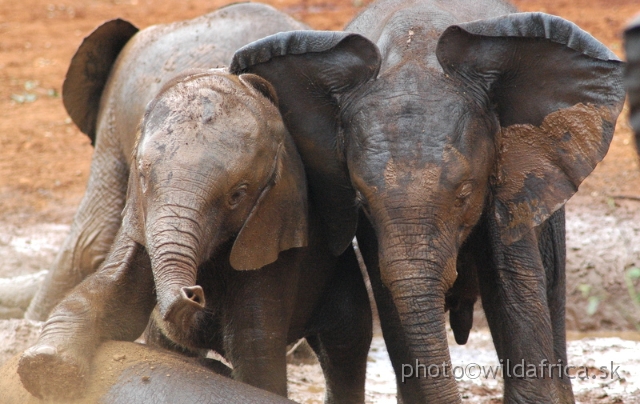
(44, 166)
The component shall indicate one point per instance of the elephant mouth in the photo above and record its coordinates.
(188, 303)
(179, 322)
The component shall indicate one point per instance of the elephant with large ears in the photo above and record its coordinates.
(219, 237)
(214, 189)
(460, 129)
(632, 75)
(114, 74)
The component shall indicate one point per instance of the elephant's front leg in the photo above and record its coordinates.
(514, 296)
(552, 243)
(258, 309)
(344, 330)
(113, 303)
(93, 230)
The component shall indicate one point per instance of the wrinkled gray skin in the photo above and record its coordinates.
(112, 77)
(632, 75)
(216, 189)
(217, 235)
(460, 142)
(125, 373)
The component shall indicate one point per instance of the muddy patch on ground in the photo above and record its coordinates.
(603, 257)
(604, 369)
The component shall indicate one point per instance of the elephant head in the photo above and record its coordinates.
(213, 169)
(493, 122)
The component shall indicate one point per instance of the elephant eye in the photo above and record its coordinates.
(237, 195)
(142, 178)
(143, 183)
(464, 191)
(361, 200)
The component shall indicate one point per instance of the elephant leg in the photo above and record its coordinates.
(113, 303)
(552, 243)
(256, 323)
(92, 232)
(392, 331)
(345, 331)
(258, 355)
(514, 296)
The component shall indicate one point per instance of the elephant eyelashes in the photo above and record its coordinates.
(237, 195)
(362, 202)
(143, 183)
(463, 193)
(360, 199)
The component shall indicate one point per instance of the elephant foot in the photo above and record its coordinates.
(48, 374)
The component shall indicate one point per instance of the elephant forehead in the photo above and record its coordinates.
(206, 115)
(398, 180)
(408, 177)
(205, 99)
(408, 114)
(405, 147)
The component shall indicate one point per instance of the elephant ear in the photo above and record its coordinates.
(89, 71)
(556, 92)
(261, 85)
(632, 75)
(279, 220)
(312, 73)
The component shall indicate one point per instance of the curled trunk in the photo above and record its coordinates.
(174, 245)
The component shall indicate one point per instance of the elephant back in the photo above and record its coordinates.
(139, 65)
(125, 372)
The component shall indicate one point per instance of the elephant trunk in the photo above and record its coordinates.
(175, 243)
(418, 267)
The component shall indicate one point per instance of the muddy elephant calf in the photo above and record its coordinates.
(218, 236)
(124, 372)
(460, 128)
(114, 74)
(215, 189)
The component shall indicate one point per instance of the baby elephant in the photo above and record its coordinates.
(114, 74)
(219, 237)
(215, 189)
(125, 373)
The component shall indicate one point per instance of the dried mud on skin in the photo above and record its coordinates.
(44, 166)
